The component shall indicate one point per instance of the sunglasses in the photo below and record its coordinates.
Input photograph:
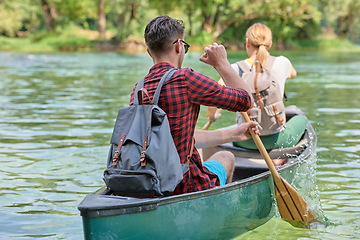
(186, 45)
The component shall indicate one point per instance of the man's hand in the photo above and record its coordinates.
(242, 132)
(215, 55)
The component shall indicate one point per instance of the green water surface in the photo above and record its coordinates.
(56, 117)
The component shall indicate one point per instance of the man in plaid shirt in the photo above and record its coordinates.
(182, 96)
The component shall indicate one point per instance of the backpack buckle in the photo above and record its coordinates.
(142, 159)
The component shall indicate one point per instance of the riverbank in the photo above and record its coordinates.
(76, 40)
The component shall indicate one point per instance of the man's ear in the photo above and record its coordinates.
(148, 51)
(177, 47)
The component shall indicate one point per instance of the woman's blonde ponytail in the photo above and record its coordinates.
(259, 35)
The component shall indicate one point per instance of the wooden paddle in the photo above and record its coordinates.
(211, 118)
(291, 205)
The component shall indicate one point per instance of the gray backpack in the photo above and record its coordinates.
(143, 160)
(268, 109)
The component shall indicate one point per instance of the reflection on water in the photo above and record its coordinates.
(57, 112)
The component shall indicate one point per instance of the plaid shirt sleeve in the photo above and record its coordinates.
(205, 91)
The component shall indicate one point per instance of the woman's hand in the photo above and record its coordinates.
(213, 113)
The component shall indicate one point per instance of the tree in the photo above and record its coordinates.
(126, 16)
(50, 14)
(291, 20)
(340, 16)
(102, 19)
(18, 17)
(61, 13)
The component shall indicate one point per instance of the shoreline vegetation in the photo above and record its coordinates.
(118, 25)
(80, 40)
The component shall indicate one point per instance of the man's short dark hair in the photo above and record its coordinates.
(161, 32)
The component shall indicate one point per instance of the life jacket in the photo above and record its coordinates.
(268, 108)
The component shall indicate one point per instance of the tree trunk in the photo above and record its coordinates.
(346, 22)
(121, 35)
(189, 15)
(50, 14)
(134, 10)
(102, 19)
(207, 23)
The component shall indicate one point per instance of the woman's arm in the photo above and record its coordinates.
(293, 72)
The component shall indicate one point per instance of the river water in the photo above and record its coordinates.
(56, 117)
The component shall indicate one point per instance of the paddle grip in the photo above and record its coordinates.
(211, 118)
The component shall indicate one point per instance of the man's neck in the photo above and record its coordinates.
(171, 57)
(171, 61)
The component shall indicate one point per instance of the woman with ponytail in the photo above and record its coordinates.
(265, 77)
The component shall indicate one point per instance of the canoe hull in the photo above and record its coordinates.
(220, 213)
(223, 214)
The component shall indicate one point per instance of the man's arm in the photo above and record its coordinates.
(216, 137)
(216, 56)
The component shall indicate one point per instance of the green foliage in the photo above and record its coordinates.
(70, 11)
(342, 17)
(18, 15)
(291, 21)
(68, 40)
(202, 39)
(47, 42)
(128, 17)
(328, 44)
(10, 22)
(164, 6)
(70, 43)
(23, 45)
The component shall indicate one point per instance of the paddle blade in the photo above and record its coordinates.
(291, 205)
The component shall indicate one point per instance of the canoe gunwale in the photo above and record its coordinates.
(132, 205)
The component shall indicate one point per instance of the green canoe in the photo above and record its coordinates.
(220, 213)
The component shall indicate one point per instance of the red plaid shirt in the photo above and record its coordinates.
(181, 98)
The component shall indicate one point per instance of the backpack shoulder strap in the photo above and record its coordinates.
(243, 67)
(163, 80)
(139, 86)
(241, 72)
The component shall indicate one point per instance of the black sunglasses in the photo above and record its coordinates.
(186, 45)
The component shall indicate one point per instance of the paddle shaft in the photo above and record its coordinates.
(261, 148)
(207, 125)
